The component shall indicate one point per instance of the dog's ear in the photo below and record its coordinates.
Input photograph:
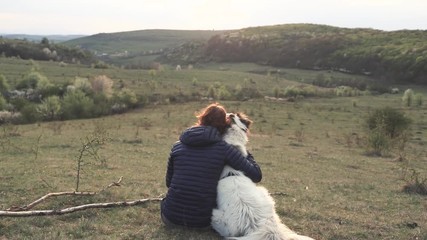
(244, 119)
(231, 116)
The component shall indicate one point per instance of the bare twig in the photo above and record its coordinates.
(76, 208)
(113, 184)
(90, 146)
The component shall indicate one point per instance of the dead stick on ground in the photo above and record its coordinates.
(40, 200)
(76, 208)
(49, 195)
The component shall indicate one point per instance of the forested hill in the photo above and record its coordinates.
(155, 40)
(393, 56)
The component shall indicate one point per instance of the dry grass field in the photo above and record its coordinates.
(311, 152)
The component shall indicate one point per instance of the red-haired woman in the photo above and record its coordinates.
(194, 167)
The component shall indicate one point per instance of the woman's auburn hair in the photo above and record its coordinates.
(213, 115)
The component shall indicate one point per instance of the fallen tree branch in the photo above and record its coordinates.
(40, 200)
(76, 208)
(49, 195)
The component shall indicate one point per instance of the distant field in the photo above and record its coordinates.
(312, 154)
(164, 81)
(263, 78)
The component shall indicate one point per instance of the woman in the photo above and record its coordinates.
(194, 168)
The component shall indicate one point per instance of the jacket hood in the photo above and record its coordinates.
(200, 136)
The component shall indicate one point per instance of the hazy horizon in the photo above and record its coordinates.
(81, 17)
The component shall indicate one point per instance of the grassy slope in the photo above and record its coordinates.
(138, 41)
(312, 151)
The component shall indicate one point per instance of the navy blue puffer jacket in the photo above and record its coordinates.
(194, 168)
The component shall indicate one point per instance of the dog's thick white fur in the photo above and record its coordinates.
(245, 210)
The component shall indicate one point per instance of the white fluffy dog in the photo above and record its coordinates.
(244, 210)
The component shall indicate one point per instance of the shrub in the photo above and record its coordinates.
(408, 97)
(50, 108)
(100, 65)
(18, 103)
(389, 120)
(34, 80)
(4, 86)
(247, 93)
(195, 82)
(276, 92)
(126, 97)
(102, 84)
(378, 142)
(302, 90)
(29, 113)
(292, 91)
(212, 92)
(82, 84)
(76, 104)
(386, 126)
(9, 117)
(416, 184)
(418, 99)
(345, 91)
(223, 93)
(3, 103)
(102, 103)
(51, 90)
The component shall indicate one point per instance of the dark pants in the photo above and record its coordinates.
(170, 224)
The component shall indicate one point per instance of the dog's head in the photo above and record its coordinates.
(241, 120)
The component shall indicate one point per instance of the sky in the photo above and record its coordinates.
(87, 17)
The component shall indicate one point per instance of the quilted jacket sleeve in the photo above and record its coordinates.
(247, 164)
(169, 171)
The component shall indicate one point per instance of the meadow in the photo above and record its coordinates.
(312, 153)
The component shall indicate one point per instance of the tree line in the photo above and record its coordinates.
(44, 50)
(397, 56)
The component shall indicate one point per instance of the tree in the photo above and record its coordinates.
(45, 41)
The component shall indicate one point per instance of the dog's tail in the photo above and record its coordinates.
(273, 229)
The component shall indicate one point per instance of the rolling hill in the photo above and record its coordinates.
(395, 56)
(391, 56)
(136, 48)
(139, 41)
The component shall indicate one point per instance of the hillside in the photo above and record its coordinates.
(396, 56)
(391, 56)
(130, 48)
